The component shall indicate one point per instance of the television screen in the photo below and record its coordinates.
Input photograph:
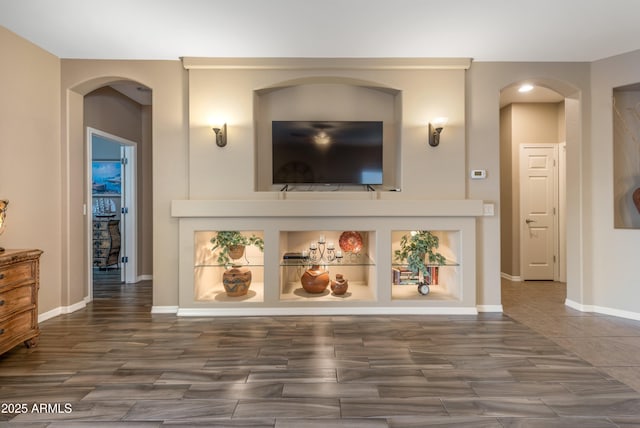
(327, 152)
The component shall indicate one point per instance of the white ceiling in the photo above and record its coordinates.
(484, 30)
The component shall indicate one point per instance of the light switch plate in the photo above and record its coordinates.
(488, 209)
(478, 174)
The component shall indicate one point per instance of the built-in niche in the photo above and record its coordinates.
(327, 99)
(626, 156)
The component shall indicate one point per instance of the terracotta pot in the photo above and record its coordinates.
(236, 251)
(315, 280)
(636, 198)
(340, 285)
(236, 281)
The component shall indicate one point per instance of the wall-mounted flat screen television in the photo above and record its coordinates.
(327, 152)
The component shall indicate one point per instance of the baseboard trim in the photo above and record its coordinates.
(602, 310)
(62, 310)
(164, 309)
(145, 278)
(220, 312)
(510, 277)
(489, 308)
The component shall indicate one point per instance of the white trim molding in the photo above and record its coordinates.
(490, 308)
(298, 311)
(602, 310)
(510, 278)
(62, 310)
(164, 309)
(202, 63)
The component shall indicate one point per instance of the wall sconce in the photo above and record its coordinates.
(435, 129)
(221, 135)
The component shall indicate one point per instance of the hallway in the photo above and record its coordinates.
(115, 362)
(610, 343)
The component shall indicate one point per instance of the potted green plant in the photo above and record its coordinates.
(231, 244)
(418, 249)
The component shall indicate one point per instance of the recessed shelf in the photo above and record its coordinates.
(444, 280)
(209, 270)
(358, 268)
(276, 287)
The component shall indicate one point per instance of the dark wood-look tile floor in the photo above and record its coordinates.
(114, 364)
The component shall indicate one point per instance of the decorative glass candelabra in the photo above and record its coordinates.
(322, 252)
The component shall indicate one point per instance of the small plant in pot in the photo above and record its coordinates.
(418, 249)
(231, 245)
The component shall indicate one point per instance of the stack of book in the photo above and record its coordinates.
(431, 277)
(402, 276)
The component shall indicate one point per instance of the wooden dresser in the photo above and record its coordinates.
(106, 242)
(19, 284)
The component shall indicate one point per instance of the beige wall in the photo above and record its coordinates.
(108, 110)
(535, 123)
(30, 157)
(612, 279)
(427, 173)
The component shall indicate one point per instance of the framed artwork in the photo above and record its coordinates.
(106, 177)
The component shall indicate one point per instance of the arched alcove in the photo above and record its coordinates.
(327, 99)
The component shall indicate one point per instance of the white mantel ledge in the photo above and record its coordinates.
(327, 208)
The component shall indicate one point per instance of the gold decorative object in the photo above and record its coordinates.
(3, 216)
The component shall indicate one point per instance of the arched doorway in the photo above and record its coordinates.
(536, 127)
(116, 117)
(106, 104)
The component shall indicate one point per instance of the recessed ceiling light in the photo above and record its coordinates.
(525, 88)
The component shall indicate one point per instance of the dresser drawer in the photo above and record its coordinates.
(99, 225)
(101, 234)
(100, 253)
(16, 273)
(16, 299)
(19, 283)
(16, 326)
(103, 243)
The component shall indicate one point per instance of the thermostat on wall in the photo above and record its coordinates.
(478, 174)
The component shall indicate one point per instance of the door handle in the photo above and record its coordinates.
(528, 221)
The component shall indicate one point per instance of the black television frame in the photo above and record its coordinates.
(327, 152)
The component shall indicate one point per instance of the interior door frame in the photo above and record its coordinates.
(129, 235)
